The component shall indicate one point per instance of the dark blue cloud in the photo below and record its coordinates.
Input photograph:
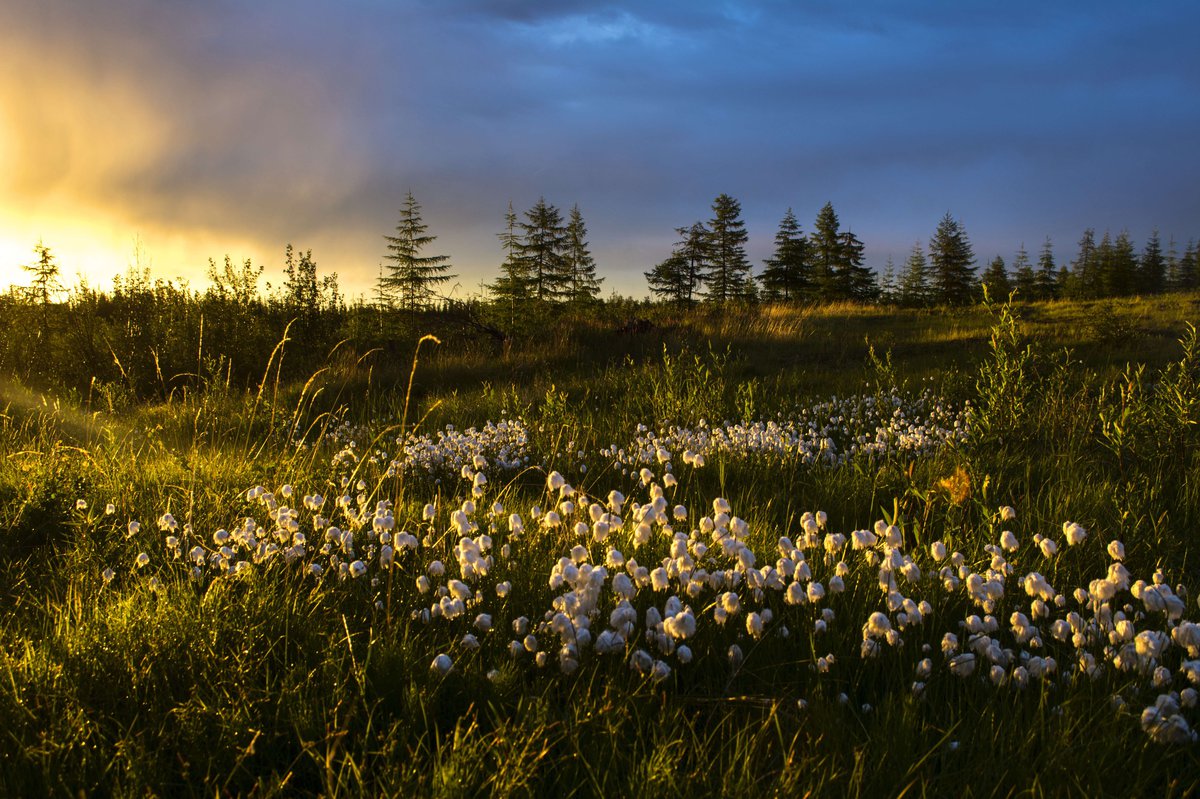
(309, 121)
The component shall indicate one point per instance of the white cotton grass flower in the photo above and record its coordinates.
(442, 664)
(110, 509)
(108, 574)
(1008, 541)
(1007, 513)
(1074, 533)
(962, 665)
(142, 560)
(1116, 550)
(877, 625)
(1164, 724)
(132, 529)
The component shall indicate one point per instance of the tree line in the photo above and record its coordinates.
(144, 333)
(548, 262)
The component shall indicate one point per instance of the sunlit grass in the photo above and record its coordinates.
(201, 676)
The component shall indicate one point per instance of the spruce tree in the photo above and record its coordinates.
(825, 248)
(668, 282)
(1189, 268)
(914, 282)
(514, 284)
(678, 278)
(584, 285)
(786, 274)
(1172, 281)
(728, 277)
(413, 277)
(1123, 274)
(1047, 275)
(541, 250)
(45, 272)
(1152, 269)
(887, 283)
(1024, 278)
(951, 262)
(854, 281)
(1083, 280)
(995, 280)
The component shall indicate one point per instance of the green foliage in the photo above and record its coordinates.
(277, 684)
(1007, 380)
(677, 280)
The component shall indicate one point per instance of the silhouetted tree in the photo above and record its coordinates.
(1047, 274)
(914, 282)
(413, 277)
(995, 278)
(584, 285)
(786, 273)
(951, 262)
(728, 276)
(678, 278)
(1152, 268)
(1024, 278)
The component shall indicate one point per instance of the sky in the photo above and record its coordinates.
(162, 133)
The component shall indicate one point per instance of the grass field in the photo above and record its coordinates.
(831, 551)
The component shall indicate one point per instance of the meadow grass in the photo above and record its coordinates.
(268, 680)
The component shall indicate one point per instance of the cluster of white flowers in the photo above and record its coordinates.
(504, 445)
(830, 433)
(659, 585)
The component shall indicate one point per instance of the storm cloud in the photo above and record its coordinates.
(273, 122)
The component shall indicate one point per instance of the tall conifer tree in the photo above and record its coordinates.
(1152, 268)
(584, 285)
(1024, 278)
(1047, 274)
(914, 282)
(679, 277)
(541, 251)
(412, 277)
(951, 262)
(825, 253)
(728, 278)
(786, 274)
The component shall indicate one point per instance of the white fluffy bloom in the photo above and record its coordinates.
(877, 625)
(963, 665)
(1074, 533)
(1008, 541)
(1164, 724)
